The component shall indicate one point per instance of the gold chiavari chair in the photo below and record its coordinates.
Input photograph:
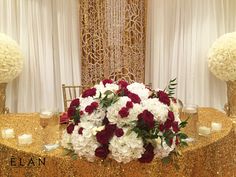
(71, 92)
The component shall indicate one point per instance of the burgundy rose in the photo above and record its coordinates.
(175, 126)
(94, 104)
(148, 118)
(174, 100)
(110, 128)
(163, 97)
(64, 118)
(161, 127)
(171, 116)
(81, 113)
(89, 92)
(75, 102)
(124, 112)
(123, 84)
(102, 152)
(103, 137)
(119, 132)
(148, 155)
(105, 121)
(80, 131)
(134, 98)
(129, 104)
(167, 124)
(70, 128)
(89, 109)
(71, 111)
(107, 81)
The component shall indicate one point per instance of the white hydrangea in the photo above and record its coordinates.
(84, 144)
(113, 111)
(163, 150)
(127, 147)
(96, 117)
(66, 140)
(11, 59)
(139, 89)
(175, 109)
(222, 57)
(101, 89)
(158, 109)
(84, 102)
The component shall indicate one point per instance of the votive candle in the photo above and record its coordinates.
(216, 126)
(203, 130)
(8, 133)
(25, 139)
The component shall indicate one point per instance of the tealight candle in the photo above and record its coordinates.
(8, 133)
(190, 110)
(25, 139)
(46, 114)
(203, 130)
(216, 126)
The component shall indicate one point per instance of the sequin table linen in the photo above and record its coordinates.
(207, 157)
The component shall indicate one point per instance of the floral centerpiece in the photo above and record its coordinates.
(124, 122)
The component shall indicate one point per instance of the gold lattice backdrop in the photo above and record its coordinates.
(112, 40)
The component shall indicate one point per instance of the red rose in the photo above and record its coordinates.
(103, 137)
(148, 118)
(123, 84)
(105, 121)
(124, 112)
(161, 127)
(89, 92)
(171, 116)
(119, 132)
(70, 128)
(75, 103)
(167, 124)
(80, 131)
(89, 109)
(81, 113)
(102, 152)
(129, 104)
(175, 126)
(148, 155)
(163, 97)
(71, 111)
(174, 100)
(134, 98)
(107, 81)
(64, 118)
(94, 104)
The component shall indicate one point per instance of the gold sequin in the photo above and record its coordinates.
(207, 157)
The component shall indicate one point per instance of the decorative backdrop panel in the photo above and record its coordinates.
(112, 40)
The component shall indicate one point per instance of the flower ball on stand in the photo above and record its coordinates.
(222, 63)
(123, 122)
(11, 64)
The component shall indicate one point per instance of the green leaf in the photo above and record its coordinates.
(108, 92)
(74, 156)
(182, 136)
(166, 160)
(183, 143)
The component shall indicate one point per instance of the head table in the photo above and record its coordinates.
(207, 157)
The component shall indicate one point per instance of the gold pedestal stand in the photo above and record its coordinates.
(230, 107)
(3, 109)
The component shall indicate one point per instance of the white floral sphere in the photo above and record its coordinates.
(222, 57)
(11, 59)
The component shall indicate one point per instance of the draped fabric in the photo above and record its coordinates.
(47, 32)
(180, 33)
(112, 40)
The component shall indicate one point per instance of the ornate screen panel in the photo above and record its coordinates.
(112, 40)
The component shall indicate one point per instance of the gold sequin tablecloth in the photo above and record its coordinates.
(208, 157)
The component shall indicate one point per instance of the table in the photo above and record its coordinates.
(209, 156)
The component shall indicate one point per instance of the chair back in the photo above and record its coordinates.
(70, 92)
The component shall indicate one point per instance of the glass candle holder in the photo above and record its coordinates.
(190, 113)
